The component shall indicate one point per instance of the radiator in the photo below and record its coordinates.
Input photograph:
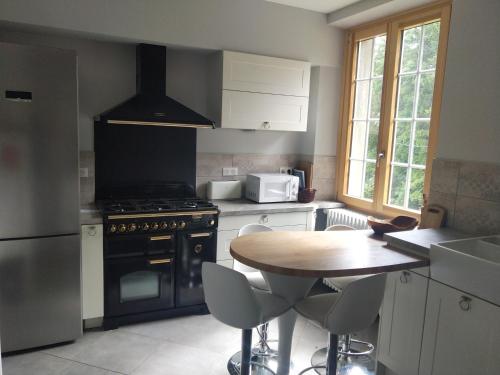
(346, 217)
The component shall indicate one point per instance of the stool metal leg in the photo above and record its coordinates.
(331, 361)
(246, 351)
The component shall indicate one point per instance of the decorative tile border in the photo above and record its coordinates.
(470, 191)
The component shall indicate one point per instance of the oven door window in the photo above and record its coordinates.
(140, 285)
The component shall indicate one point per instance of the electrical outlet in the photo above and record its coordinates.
(230, 171)
(84, 172)
(286, 170)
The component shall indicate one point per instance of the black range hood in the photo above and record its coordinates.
(150, 106)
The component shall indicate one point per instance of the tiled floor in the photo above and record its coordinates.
(188, 345)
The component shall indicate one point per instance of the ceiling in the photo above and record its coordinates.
(322, 6)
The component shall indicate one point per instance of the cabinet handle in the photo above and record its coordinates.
(91, 231)
(404, 277)
(264, 219)
(465, 303)
(160, 238)
(160, 261)
(197, 235)
(267, 125)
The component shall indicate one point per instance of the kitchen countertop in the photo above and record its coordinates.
(419, 241)
(247, 207)
(89, 214)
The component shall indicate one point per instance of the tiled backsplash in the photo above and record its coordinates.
(470, 191)
(209, 167)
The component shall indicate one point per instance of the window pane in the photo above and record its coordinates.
(402, 142)
(415, 199)
(398, 186)
(406, 96)
(358, 140)
(364, 59)
(369, 180)
(361, 100)
(376, 98)
(355, 178)
(431, 43)
(411, 47)
(371, 152)
(421, 142)
(379, 56)
(425, 93)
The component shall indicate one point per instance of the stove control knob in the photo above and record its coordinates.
(145, 226)
(112, 228)
(163, 225)
(122, 228)
(154, 226)
(211, 222)
(132, 227)
(181, 225)
(172, 225)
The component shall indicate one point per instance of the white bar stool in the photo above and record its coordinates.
(257, 281)
(353, 310)
(338, 284)
(232, 300)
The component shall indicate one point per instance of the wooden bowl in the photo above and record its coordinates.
(397, 224)
(306, 195)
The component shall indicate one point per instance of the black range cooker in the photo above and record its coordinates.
(155, 241)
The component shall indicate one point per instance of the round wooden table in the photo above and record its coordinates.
(291, 262)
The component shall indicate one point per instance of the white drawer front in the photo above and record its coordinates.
(247, 72)
(246, 110)
(271, 220)
(225, 237)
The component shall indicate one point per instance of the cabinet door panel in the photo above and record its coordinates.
(247, 72)
(246, 110)
(461, 336)
(92, 272)
(402, 322)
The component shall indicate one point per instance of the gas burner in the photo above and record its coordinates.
(119, 207)
(189, 204)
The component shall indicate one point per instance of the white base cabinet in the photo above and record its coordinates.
(230, 225)
(402, 322)
(92, 272)
(461, 335)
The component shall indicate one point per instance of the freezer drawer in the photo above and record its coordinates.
(40, 301)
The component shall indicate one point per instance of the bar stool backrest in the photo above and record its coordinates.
(357, 306)
(229, 296)
(248, 229)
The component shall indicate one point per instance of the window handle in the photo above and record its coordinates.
(381, 155)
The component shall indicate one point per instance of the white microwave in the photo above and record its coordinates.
(272, 187)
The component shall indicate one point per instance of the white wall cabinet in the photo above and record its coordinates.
(259, 92)
(402, 322)
(92, 272)
(461, 335)
(230, 225)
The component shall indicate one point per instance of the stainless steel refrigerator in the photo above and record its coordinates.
(40, 301)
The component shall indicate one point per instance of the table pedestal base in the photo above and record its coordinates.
(362, 365)
(261, 365)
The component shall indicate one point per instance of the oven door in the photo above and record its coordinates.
(138, 284)
(194, 249)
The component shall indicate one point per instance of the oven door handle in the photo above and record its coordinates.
(199, 235)
(160, 261)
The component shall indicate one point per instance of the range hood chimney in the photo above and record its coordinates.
(150, 106)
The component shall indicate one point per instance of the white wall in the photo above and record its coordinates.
(107, 70)
(470, 114)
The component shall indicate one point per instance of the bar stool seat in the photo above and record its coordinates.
(232, 300)
(350, 311)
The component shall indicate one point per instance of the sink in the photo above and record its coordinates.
(471, 265)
